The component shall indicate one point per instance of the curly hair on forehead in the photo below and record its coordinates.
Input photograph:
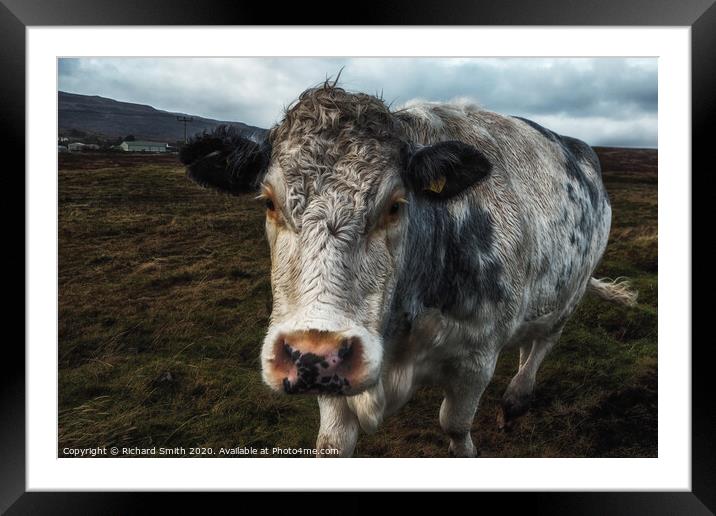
(329, 109)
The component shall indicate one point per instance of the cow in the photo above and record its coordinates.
(410, 247)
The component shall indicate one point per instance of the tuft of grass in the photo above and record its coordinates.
(164, 298)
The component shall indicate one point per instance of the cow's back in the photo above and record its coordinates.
(545, 196)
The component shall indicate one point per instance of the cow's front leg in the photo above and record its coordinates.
(339, 427)
(462, 397)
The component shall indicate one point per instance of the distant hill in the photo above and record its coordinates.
(623, 159)
(100, 116)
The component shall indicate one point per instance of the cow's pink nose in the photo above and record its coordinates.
(317, 362)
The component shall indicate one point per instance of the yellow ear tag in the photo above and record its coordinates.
(437, 185)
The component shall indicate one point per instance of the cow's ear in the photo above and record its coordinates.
(226, 161)
(445, 169)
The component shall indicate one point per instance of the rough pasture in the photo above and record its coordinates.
(164, 297)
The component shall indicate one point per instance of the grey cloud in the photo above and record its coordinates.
(605, 100)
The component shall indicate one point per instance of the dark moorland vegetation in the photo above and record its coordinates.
(164, 298)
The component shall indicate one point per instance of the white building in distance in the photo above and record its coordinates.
(143, 146)
(80, 147)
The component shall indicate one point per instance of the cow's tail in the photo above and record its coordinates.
(617, 290)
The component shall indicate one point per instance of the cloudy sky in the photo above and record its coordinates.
(604, 101)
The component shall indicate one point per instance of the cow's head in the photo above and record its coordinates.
(339, 179)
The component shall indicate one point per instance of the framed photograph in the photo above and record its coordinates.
(429, 247)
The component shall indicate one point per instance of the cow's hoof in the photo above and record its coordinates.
(510, 411)
(328, 453)
(464, 453)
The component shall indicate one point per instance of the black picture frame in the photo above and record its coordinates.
(17, 15)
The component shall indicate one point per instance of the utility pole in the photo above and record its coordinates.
(186, 120)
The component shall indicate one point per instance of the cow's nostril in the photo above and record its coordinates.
(346, 349)
(291, 354)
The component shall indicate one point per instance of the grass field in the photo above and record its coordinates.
(164, 298)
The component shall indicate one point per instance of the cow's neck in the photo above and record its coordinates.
(447, 264)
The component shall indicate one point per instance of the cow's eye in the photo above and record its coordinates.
(269, 205)
(392, 210)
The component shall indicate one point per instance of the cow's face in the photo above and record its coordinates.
(335, 220)
(339, 183)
